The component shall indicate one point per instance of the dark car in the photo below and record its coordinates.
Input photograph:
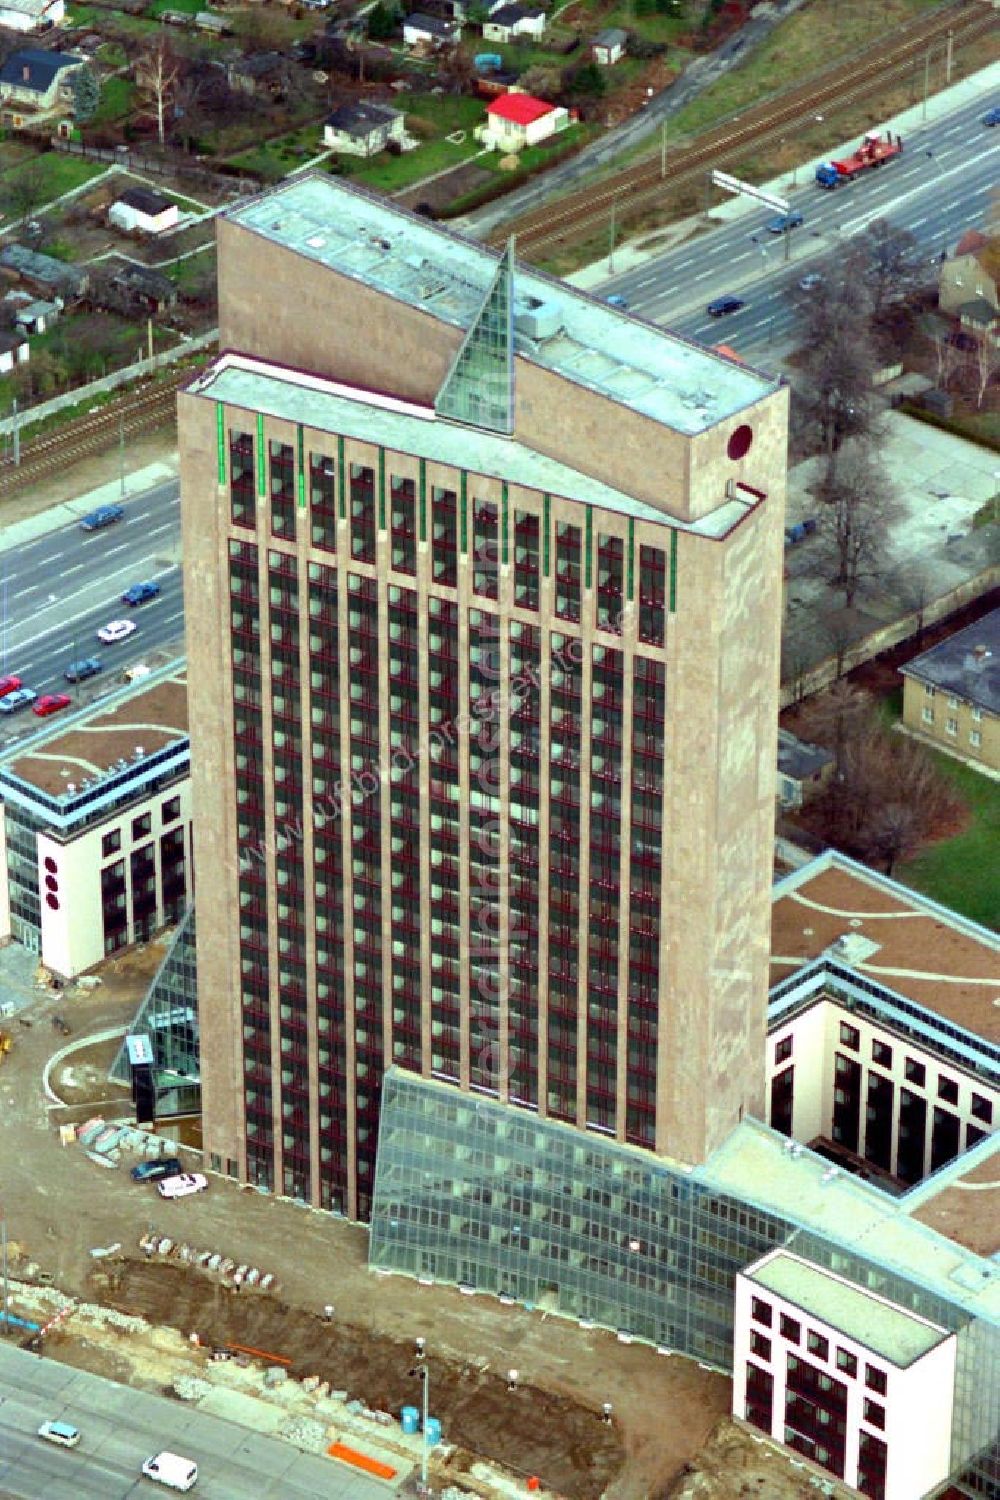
(77, 671)
(723, 305)
(783, 222)
(992, 116)
(104, 515)
(19, 698)
(153, 1171)
(140, 592)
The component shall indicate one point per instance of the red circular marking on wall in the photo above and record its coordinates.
(51, 883)
(52, 902)
(740, 442)
(51, 865)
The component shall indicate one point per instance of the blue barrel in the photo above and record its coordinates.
(433, 1432)
(410, 1419)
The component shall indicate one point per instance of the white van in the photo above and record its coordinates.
(171, 1469)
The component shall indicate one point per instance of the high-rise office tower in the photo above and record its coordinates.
(483, 585)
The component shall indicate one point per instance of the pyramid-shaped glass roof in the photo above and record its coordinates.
(479, 387)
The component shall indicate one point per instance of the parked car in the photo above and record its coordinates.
(992, 116)
(723, 305)
(77, 671)
(140, 592)
(115, 631)
(153, 1171)
(51, 703)
(63, 1433)
(182, 1185)
(19, 698)
(172, 1470)
(9, 685)
(617, 300)
(784, 222)
(810, 281)
(104, 515)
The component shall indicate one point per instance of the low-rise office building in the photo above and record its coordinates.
(95, 825)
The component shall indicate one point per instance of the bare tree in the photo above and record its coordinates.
(858, 509)
(886, 261)
(946, 358)
(25, 191)
(986, 363)
(835, 398)
(156, 73)
(835, 718)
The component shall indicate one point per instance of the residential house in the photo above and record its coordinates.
(129, 288)
(31, 15)
(433, 33)
(44, 273)
(969, 284)
(13, 350)
(34, 317)
(517, 120)
(261, 74)
(507, 22)
(608, 46)
(803, 769)
(140, 210)
(34, 84)
(951, 694)
(362, 128)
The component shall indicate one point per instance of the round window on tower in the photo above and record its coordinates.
(740, 442)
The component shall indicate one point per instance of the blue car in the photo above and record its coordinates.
(992, 116)
(155, 1171)
(617, 300)
(104, 515)
(77, 671)
(140, 592)
(784, 222)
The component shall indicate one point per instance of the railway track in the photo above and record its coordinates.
(93, 433)
(634, 187)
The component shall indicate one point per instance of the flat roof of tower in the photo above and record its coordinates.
(327, 406)
(659, 374)
(890, 1332)
(926, 952)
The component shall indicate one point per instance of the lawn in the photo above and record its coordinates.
(963, 872)
(186, 7)
(116, 100)
(54, 174)
(432, 118)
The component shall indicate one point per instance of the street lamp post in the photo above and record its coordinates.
(420, 1372)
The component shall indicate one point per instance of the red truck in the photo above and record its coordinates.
(873, 152)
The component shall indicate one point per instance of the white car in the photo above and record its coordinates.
(115, 631)
(181, 1185)
(63, 1433)
(171, 1469)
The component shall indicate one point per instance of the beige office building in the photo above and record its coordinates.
(483, 584)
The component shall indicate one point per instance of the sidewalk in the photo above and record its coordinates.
(979, 87)
(65, 512)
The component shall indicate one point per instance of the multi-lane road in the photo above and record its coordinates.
(121, 1427)
(940, 186)
(58, 590)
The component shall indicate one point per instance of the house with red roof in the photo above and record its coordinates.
(517, 120)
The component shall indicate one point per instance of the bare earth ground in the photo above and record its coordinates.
(59, 1206)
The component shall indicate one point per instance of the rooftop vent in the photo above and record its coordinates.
(539, 320)
(71, 788)
(139, 752)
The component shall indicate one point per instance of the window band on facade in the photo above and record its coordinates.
(261, 458)
(546, 508)
(588, 546)
(220, 442)
(463, 514)
(301, 468)
(630, 561)
(673, 572)
(504, 507)
(423, 500)
(381, 489)
(341, 479)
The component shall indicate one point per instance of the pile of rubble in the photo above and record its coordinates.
(104, 1143)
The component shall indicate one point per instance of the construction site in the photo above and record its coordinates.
(266, 1312)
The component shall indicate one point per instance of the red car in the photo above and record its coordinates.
(9, 685)
(51, 703)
